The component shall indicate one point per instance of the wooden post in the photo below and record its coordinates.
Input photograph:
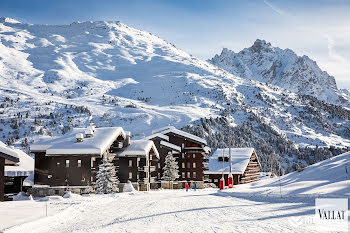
(2, 178)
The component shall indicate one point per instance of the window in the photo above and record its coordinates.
(130, 175)
(158, 165)
(188, 174)
(194, 165)
(183, 155)
(194, 156)
(79, 164)
(216, 180)
(130, 162)
(210, 180)
(194, 174)
(188, 165)
(158, 175)
(67, 163)
(183, 165)
(183, 175)
(183, 145)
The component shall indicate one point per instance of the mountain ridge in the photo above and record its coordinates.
(55, 77)
(281, 67)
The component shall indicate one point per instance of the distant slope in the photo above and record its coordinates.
(328, 178)
(55, 77)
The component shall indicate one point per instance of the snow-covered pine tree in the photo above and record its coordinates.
(171, 169)
(106, 178)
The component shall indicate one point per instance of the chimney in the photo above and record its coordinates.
(79, 137)
(89, 133)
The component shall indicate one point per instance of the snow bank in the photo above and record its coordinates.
(129, 188)
(21, 196)
(327, 178)
(51, 198)
(72, 195)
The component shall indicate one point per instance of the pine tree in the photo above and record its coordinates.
(171, 169)
(106, 178)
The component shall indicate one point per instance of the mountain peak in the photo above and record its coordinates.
(261, 45)
(280, 67)
(8, 20)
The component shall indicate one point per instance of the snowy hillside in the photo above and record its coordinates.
(281, 67)
(330, 177)
(54, 77)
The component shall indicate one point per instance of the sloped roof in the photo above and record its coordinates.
(239, 159)
(10, 154)
(158, 135)
(24, 167)
(172, 129)
(138, 148)
(170, 146)
(66, 145)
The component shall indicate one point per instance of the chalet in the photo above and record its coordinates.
(18, 178)
(8, 157)
(189, 150)
(245, 165)
(72, 160)
(136, 162)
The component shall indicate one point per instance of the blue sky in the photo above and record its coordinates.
(319, 29)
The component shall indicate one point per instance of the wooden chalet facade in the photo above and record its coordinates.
(189, 150)
(71, 161)
(136, 163)
(8, 157)
(245, 165)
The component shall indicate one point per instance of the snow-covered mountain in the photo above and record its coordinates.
(283, 68)
(55, 77)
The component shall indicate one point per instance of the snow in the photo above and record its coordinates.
(163, 211)
(12, 155)
(129, 188)
(158, 135)
(25, 166)
(171, 129)
(29, 181)
(170, 145)
(254, 207)
(240, 159)
(97, 144)
(139, 148)
(326, 178)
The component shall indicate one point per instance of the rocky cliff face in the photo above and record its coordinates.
(280, 67)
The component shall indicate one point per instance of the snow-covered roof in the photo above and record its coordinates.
(170, 145)
(162, 129)
(239, 158)
(24, 167)
(66, 145)
(138, 148)
(172, 129)
(158, 135)
(10, 154)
